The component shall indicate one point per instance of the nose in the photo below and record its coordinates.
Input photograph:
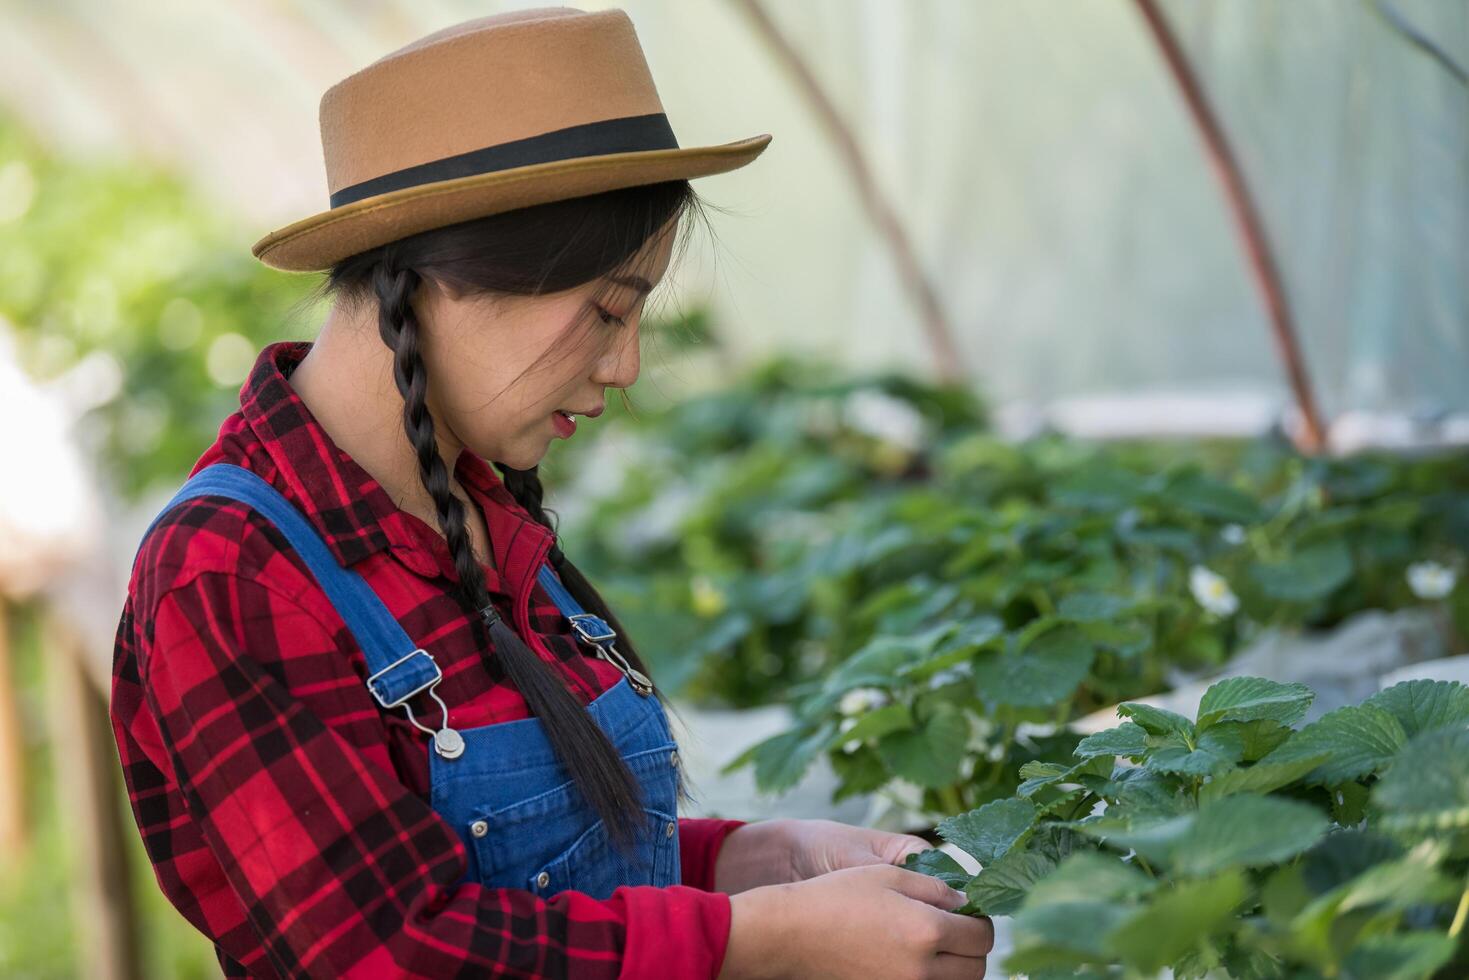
(619, 363)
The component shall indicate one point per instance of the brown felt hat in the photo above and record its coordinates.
(489, 115)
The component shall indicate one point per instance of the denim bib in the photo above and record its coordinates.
(501, 787)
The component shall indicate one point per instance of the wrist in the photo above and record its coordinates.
(757, 944)
(757, 854)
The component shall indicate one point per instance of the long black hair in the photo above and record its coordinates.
(545, 248)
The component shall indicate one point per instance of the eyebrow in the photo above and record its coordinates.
(635, 282)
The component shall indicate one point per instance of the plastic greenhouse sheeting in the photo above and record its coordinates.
(1053, 183)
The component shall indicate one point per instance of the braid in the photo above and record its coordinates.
(525, 486)
(398, 325)
(596, 766)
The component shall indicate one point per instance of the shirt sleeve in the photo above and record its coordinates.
(343, 871)
(699, 841)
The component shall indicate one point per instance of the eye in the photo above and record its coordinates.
(609, 319)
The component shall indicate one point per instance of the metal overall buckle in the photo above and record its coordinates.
(603, 642)
(447, 742)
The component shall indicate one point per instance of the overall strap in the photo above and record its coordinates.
(399, 669)
(592, 628)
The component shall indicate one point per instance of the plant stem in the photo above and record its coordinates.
(952, 801)
(1460, 914)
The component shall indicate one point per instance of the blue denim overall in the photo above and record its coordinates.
(500, 786)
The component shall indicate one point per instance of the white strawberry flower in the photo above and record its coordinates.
(884, 417)
(1232, 534)
(848, 724)
(860, 700)
(1212, 591)
(949, 675)
(1430, 580)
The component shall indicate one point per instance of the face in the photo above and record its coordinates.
(501, 367)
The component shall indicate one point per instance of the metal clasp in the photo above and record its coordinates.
(447, 742)
(578, 624)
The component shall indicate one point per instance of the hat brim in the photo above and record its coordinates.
(317, 243)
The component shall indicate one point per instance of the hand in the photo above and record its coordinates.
(784, 850)
(821, 846)
(856, 923)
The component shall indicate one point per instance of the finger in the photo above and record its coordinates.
(948, 966)
(924, 888)
(966, 935)
(906, 844)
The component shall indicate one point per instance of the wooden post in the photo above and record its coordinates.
(947, 362)
(90, 806)
(13, 833)
(1247, 219)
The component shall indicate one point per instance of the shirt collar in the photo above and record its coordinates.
(352, 512)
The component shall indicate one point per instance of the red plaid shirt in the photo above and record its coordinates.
(285, 812)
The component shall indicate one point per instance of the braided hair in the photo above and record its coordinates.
(543, 248)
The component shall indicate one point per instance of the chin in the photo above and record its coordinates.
(523, 460)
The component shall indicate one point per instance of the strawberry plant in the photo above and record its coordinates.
(1236, 841)
(1078, 579)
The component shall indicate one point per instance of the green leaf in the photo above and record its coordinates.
(1177, 920)
(780, 762)
(931, 755)
(940, 865)
(1127, 639)
(1253, 831)
(989, 831)
(1064, 802)
(1428, 784)
(874, 665)
(862, 771)
(1044, 674)
(1127, 739)
(1143, 794)
(1037, 775)
(1063, 935)
(972, 636)
(1404, 956)
(1256, 739)
(1263, 777)
(1423, 705)
(875, 724)
(1342, 855)
(1254, 699)
(1157, 721)
(1000, 887)
(1399, 884)
(1092, 607)
(1310, 574)
(1208, 497)
(1212, 756)
(1089, 876)
(1357, 741)
(1049, 771)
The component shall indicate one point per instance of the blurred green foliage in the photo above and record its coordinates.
(121, 269)
(937, 602)
(694, 518)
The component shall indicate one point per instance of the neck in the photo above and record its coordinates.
(346, 381)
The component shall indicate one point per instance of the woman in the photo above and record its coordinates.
(373, 721)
